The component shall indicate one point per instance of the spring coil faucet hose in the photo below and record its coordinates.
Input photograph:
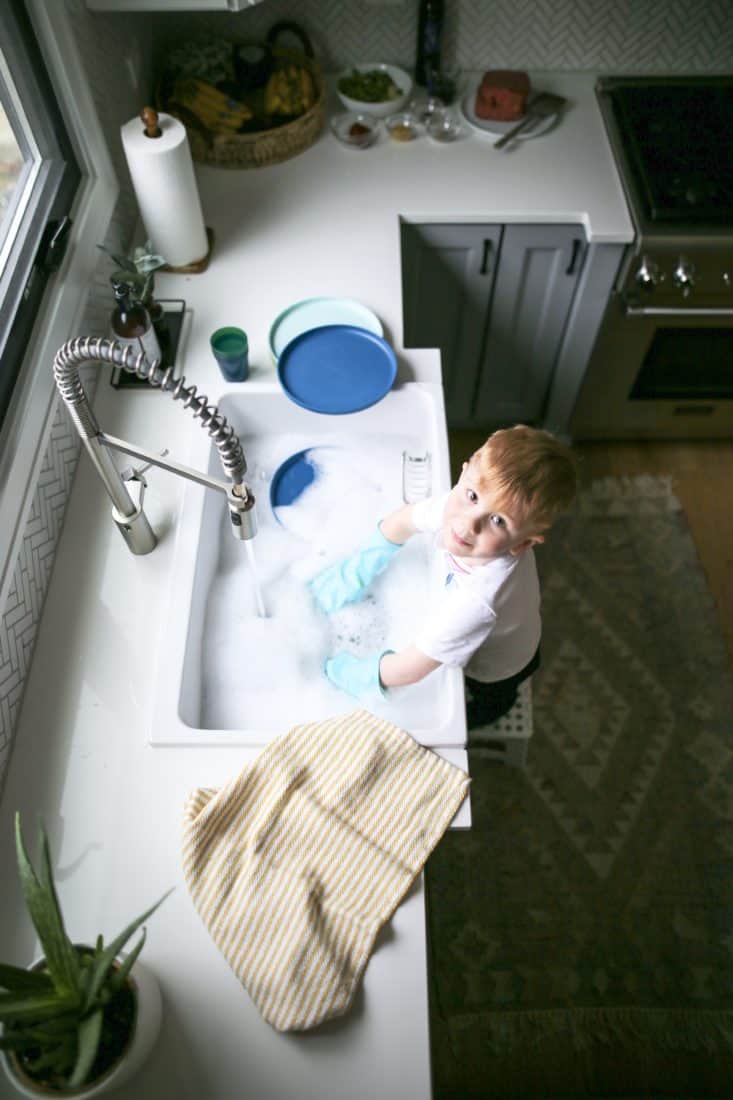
(128, 513)
(89, 349)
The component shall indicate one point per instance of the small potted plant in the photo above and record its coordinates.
(138, 271)
(79, 1021)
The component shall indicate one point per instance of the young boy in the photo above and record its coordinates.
(486, 619)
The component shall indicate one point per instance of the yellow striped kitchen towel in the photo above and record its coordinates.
(297, 862)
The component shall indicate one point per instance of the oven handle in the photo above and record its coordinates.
(671, 311)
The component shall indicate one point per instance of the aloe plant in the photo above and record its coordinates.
(55, 1017)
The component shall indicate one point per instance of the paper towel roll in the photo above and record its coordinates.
(165, 186)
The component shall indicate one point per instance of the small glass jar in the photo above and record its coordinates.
(444, 126)
(403, 127)
(355, 130)
(429, 107)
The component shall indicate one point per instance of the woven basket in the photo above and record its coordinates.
(261, 147)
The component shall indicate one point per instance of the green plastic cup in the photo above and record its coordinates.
(231, 351)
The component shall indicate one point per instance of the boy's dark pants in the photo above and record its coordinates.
(487, 702)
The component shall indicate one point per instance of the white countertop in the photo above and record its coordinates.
(112, 806)
(327, 222)
(324, 223)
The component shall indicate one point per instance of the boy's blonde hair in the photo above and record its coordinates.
(533, 473)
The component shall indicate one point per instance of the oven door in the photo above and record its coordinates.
(658, 372)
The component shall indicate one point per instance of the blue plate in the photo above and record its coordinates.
(293, 476)
(337, 369)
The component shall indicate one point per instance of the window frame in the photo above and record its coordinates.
(50, 185)
(25, 432)
(23, 181)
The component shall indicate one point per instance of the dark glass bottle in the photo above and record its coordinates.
(429, 32)
(131, 324)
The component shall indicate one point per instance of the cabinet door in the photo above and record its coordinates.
(535, 283)
(447, 277)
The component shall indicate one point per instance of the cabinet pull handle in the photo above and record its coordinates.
(485, 258)
(574, 256)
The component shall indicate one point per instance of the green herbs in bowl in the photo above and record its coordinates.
(374, 88)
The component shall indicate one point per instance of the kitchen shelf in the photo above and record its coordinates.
(170, 5)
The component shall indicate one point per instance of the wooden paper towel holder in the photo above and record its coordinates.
(197, 266)
(149, 117)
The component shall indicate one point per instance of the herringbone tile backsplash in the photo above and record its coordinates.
(23, 606)
(98, 41)
(652, 36)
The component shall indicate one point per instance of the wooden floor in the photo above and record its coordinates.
(702, 479)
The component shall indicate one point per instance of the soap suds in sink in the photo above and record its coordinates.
(267, 673)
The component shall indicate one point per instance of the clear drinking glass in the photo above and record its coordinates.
(417, 476)
(444, 83)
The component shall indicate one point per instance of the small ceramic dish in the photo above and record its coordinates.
(403, 127)
(444, 126)
(355, 130)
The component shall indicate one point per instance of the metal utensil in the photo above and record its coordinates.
(544, 104)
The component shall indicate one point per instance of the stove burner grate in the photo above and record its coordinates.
(677, 137)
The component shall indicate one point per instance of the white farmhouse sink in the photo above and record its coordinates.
(228, 676)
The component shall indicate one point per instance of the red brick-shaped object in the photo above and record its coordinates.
(502, 95)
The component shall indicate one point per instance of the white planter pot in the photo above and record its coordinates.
(148, 1010)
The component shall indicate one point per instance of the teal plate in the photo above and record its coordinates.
(316, 312)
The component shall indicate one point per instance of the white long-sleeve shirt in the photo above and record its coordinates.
(483, 618)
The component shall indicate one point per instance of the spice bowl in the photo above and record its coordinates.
(357, 131)
(444, 126)
(403, 126)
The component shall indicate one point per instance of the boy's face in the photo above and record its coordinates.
(475, 526)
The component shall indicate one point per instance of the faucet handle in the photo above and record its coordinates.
(137, 473)
(128, 524)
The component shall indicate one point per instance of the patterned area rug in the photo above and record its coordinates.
(581, 934)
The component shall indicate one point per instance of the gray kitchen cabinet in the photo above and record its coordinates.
(447, 275)
(495, 299)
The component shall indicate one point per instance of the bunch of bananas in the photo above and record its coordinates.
(219, 113)
(289, 91)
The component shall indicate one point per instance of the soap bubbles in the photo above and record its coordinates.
(267, 673)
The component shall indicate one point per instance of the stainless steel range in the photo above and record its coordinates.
(662, 366)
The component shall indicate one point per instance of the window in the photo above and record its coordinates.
(39, 178)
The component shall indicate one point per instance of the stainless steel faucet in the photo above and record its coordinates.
(127, 514)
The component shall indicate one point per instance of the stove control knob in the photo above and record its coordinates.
(683, 275)
(648, 274)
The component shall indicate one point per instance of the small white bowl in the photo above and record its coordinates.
(381, 109)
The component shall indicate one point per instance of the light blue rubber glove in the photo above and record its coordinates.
(358, 676)
(346, 581)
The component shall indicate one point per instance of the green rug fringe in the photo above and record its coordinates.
(665, 1029)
